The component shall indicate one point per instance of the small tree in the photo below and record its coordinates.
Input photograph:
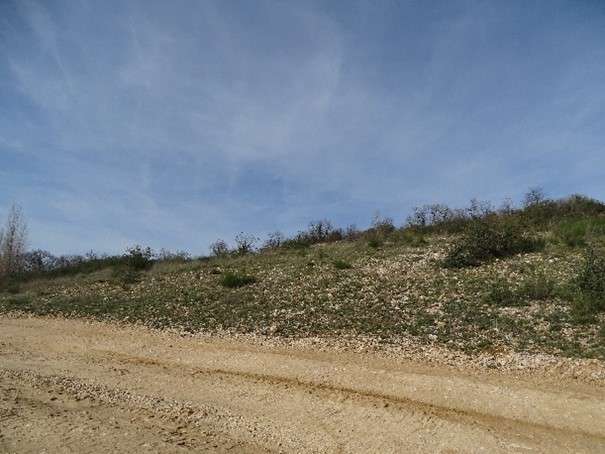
(138, 257)
(351, 232)
(274, 240)
(507, 207)
(166, 254)
(39, 261)
(381, 225)
(219, 248)
(535, 196)
(245, 243)
(479, 209)
(13, 242)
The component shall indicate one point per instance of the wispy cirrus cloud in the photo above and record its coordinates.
(175, 123)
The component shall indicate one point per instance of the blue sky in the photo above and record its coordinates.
(171, 124)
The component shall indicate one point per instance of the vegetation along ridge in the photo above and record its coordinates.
(528, 278)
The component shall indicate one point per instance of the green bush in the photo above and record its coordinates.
(139, 258)
(410, 237)
(484, 240)
(381, 227)
(543, 212)
(125, 275)
(499, 293)
(342, 265)
(572, 233)
(219, 248)
(234, 280)
(591, 278)
(538, 288)
(576, 233)
(274, 241)
(321, 231)
(17, 302)
(298, 242)
(245, 243)
(439, 218)
(584, 308)
(590, 284)
(9, 285)
(374, 243)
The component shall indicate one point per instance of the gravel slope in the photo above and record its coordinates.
(75, 386)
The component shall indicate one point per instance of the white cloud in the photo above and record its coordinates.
(346, 113)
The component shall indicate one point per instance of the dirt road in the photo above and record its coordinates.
(73, 386)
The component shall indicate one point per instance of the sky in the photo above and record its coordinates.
(172, 124)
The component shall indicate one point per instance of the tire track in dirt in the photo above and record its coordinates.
(54, 414)
(407, 403)
(285, 400)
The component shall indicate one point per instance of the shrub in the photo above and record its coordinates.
(342, 265)
(165, 255)
(39, 261)
(9, 285)
(484, 240)
(534, 196)
(591, 278)
(322, 231)
(441, 218)
(410, 237)
(374, 243)
(577, 232)
(380, 229)
(537, 211)
(219, 248)
(590, 283)
(480, 209)
(572, 233)
(274, 240)
(318, 232)
(351, 233)
(431, 215)
(234, 280)
(298, 242)
(538, 288)
(69, 265)
(244, 243)
(382, 226)
(499, 293)
(138, 258)
(584, 308)
(543, 213)
(507, 207)
(125, 275)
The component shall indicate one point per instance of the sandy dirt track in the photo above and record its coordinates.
(74, 386)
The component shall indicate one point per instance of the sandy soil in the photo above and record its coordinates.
(75, 386)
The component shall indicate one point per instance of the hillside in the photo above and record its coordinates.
(516, 280)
